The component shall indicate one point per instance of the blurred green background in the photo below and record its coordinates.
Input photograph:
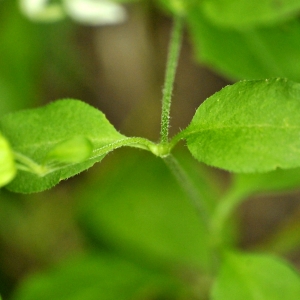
(118, 69)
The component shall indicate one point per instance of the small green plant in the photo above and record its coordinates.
(250, 128)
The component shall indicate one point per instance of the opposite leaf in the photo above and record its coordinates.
(255, 277)
(40, 135)
(7, 164)
(251, 126)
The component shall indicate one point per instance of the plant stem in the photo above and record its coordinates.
(188, 186)
(173, 55)
(222, 213)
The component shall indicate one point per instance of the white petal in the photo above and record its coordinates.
(41, 10)
(95, 12)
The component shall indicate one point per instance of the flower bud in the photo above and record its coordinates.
(7, 163)
(74, 150)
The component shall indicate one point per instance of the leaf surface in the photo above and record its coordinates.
(251, 126)
(255, 277)
(256, 53)
(138, 208)
(238, 13)
(37, 132)
(92, 277)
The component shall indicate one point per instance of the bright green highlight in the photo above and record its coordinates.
(254, 276)
(251, 126)
(71, 151)
(7, 163)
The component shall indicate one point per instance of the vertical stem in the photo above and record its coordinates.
(196, 200)
(188, 186)
(173, 55)
(222, 214)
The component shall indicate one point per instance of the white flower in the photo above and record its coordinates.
(95, 12)
(89, 12)
(41, 10)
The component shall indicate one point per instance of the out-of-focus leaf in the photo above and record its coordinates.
(275, 181)
(94, 277)
(261, 52)
(21, 58)
(239, 13)
(251, 126)
(255, 277)
(139, 208)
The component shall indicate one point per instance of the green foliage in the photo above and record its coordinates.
(56, 123)
(150, 221)
(253, 277)
(249, 53)
(275, 181)
(251, 126)
(138, 210)
(91, 277)
(243, 13)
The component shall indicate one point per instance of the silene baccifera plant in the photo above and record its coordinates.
(250, 127)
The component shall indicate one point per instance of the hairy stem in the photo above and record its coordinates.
(173, 55)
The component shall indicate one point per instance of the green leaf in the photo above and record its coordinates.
(94, 277)
(139, 209)
(255, 277)
(256, 53)
(251, 126)
(7, 163)
(239, 13)
(275, 181)
(36, 133)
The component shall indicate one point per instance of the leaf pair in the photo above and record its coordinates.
(251, 126)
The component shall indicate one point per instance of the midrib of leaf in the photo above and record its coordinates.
(215, 128)
(136, 142)
(43, 170)
(54, 142)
